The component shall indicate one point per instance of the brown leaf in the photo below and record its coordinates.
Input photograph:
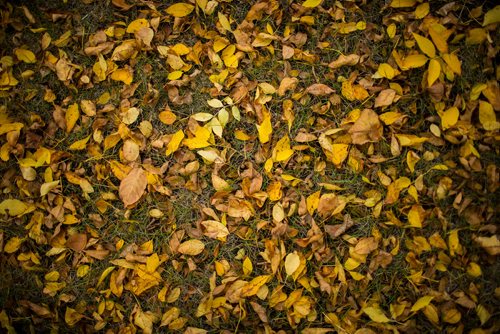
(367, 128)
(77, 242)
(133, 186)
(319, 89)
(349, 60)
(336, 231)
(287, 84)
(385, 98)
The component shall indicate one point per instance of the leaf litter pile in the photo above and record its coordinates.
(249, 166)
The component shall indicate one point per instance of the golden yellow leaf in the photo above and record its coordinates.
(47, 187)
(422, 10)
(487, 116)
(13, 207)
(224, 22)
(136, 25)
(80, 144)
(265, 128)
(25, 55)
(132, 187)
(433, 72)
(452, 316)
(414, 61)
(492, 16)
(339, 153)
(421, 303)
(282, 150)
(191, 247)
(200, 140)
(449, 118)
(247, 266)
(292, 263)
(425, 45)
(174, 143)
(82, 270)
(175, 75)
(124, 75)
(72, 317)
(152, 263)
(386, 71)
(482, 314)
(254, 285)
(13, 245)
(438, 35)
(376, 314)
(391, 30)
(416, 215)
(452, 61)
(4, 128)
(474, 270)
(312, 3)
(312, 202)
(72, 115)
(180, 9)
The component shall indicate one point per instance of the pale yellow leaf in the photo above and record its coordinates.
(191, 247)
(292, 263)
(180, 9)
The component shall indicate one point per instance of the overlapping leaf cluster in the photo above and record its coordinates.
(314, 166)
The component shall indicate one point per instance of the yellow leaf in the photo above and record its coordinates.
(191, 247)
(124, 75)
(339, 153)
(137, 25)
(72, 115)
(312, 202)
(292, 263)
(449, 118)
(376, 314)
(474, 270)
(482, 314)
(416, 215)
(25, 55)
(152, 263)
(438, 35)
(4, 128)
(454, 242)
(254, 285)
(71, 316)
(13, 245)
(200, 140)
(425, 45)
(492, 16)
(47, 187)
(487, 116)
(265, 128)
(452, 316)
(391, 30)
(282, 150)
(414, 61)
(13, 207)
(214, 229)
(422, 10)
(80, 144)
(180, 9)
(433, 72)
(386, 71)
(175, 75)
(421, 303)
(173, 144)
(452, 61)
(402, 3)
(312, 3)
(224, 22)
(247, 266)
(82, 270)
(410, 140)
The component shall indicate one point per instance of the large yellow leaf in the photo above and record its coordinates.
(265, 129)
(282, 150)
(452, 61)
(13, 207)
(492, 16)
(25, 55)
(254, 285)
(425, 45)
(414, 61)
(191, 247)
(312, 3)
(214, 229)
(200, 140)
(449, 118)
(137, 25)
(13, 245)
(80, 144)
(376, 314)
(180, 9)
(403, 3)
(433, 72)
(487, 116)
(173, 144)
(292, 263)
(72, 115)
(421, 303)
